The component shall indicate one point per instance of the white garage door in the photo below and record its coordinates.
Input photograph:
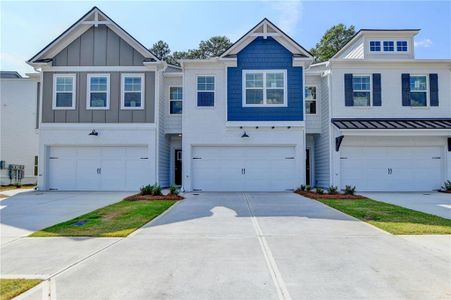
(98, 168)
(243, 168)
(391, 168)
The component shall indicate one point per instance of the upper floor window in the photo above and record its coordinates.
(132, 95)
(310, 100)
(64, 91)
(175, 100)
(418, 90)
(205, 91)
(361, 86)
(375, 46)
(98, 91)
(264, 88)
(389, 46)
(401, 46)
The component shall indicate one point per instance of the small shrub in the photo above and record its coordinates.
(308, 188)
(319, 191)
(147, 189)
(156, 190)
(18, 185)
(447, 185)
(349, 190)
(332, 190)
(173, 190)
(302, 188)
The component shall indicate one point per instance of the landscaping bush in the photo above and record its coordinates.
(173, 190)
(302, 188)
(308, 188)
(156, 190)
(447, 186)
(147, 189)
(319, 191)
(332, 190)
(349, 190)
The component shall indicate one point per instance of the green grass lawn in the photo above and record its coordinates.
(392, 218)
(115, 220)
(10, 288)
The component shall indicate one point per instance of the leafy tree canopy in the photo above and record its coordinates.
(332, 41)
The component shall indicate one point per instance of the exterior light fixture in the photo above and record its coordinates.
(289, 127)
(256, 127)
(244, 135)
(273, 127)
(94, 132)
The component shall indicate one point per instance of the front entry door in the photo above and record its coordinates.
(178, 167)
(307, 167)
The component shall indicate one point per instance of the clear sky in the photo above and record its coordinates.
(26, 27)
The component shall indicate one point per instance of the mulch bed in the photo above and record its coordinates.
(315, 196)
(138, 197)
(443, 191)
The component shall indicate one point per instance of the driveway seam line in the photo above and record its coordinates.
(282, 291)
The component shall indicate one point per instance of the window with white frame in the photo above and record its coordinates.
(98, 91)
(175, 100)
(64, 91)
(205, 91)
(361, 86)
(418, 90)
(401, 46)
(264, 88)
(389, 46)
(310, 100)
(375, 46)
(132, 95)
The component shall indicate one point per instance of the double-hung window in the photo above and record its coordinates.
(264, 88)
(175, 100)
(389, 46)
(310, 100)
(132, 94)
(361, 86)
(418, 90)
(64, 91)
(98, 91)
(205, 91)
(375, 46)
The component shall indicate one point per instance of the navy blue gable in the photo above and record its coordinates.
(377, 93)
(433, 89)
(265, 54)
(405, 79)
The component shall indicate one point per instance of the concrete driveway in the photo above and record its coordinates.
(29, 211)
(249, 246)
(435, 203)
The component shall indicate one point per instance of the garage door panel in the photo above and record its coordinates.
(86, 176)
(391, 168)
(61, 171)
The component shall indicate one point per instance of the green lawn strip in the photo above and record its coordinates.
(10, 288)
(391, 218)
(115, 220)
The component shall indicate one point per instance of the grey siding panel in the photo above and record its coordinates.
(322, 158)
(137, 58)
(87, 48)
(113, 46)
(100, 43)
(61, 58)
(112, 115)
(125, 54)
(73, 53)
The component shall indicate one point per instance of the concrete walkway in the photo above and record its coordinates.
(245, 246)
(434, 203)
(29, 211)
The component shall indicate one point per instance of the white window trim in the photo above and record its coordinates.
(316, 100)
(395, 49)
(214, 91)
(143, 83)
(370, 90)
(88, 91)
(74, 89)
(427, 92)
(285, 89)
(170, 100)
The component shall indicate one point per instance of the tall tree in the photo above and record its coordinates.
(332, 41)
(161, 50)
(214, 46)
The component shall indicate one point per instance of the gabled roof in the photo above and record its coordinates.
(93, 17)
(9, 74)
(362, 31)
(266, 28)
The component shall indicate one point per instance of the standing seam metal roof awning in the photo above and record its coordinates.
(391, 123)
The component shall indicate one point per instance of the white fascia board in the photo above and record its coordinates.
(396, 132)
(265, 123)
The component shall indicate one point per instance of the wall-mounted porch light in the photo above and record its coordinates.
(94, 132)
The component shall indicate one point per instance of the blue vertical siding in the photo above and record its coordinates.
(265, 54)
